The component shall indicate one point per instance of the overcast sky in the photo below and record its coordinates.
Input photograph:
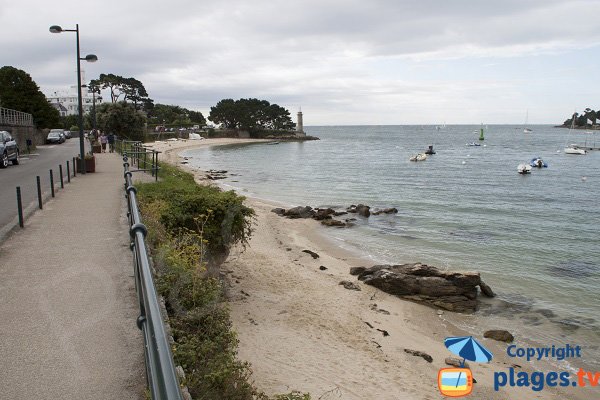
(342, 62)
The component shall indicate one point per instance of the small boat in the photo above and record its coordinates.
(524, 169)
(418, 157)
(526, 129)
(272, 143)
(537, 162)
(430, 150)
(574, 149)
(473, 144)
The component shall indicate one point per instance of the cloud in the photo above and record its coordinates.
(341, 60)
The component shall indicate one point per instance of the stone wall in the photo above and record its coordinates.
(22, 133)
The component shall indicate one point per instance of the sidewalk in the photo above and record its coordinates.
(67, 298)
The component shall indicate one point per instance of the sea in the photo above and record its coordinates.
(534, 238)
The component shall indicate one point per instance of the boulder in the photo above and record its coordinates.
(312, 253)
(350, 285)
(500, 335)
(278, 211)
(333, 222)
(357, 270)
(452, 291)
(456, 362)
(323, 213)
(392, 210)
(360, 209)
(300, 212)
(486, 290)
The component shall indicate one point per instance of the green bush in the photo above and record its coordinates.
(184, 220)
(227, 220)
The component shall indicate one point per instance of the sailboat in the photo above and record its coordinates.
(573, 148)
(526, 129)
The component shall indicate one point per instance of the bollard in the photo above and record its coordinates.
(74, 168)
(68, 173)
(51, 183)
(19, 206)
(39, 189)
(62, 183)
(152, 163)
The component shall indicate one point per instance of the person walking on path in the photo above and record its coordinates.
(103, 141)
(111, 142)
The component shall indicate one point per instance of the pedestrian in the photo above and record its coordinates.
(111, 142)
(103, 141)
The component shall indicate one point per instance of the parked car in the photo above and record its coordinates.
(9, 151)
(67, 134)
(55, 136)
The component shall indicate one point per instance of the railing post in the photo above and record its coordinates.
(62, 183)
(39, 192)
(51, 183)
(19, 206)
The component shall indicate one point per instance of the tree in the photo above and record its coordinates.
(224, 113)
(130, 88)
(122, 119)
(19, 92)
(251, 115)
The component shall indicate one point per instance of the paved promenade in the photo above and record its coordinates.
(67, 298)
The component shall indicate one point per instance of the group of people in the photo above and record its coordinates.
(104, 140)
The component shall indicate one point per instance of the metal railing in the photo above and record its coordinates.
(144, 159)
(160, 367)
(15, 118)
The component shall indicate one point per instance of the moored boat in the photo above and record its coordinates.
(418, 157)
(574, 149)
(537, 162)
(524, 169)
(430, 150)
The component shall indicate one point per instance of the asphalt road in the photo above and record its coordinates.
(38, 163)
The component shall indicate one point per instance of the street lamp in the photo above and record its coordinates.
(88, 58)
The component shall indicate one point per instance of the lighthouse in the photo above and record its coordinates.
(300, 125)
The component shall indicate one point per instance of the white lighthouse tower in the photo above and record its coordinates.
(300, 125)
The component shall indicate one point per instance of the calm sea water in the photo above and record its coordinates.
(534, 238)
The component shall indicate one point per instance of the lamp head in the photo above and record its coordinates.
(56, 29)
(91, 58)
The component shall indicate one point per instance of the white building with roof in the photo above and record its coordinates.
(66, 100)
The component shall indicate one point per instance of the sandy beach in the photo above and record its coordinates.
(301, 330)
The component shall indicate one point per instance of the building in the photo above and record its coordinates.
(66, 101)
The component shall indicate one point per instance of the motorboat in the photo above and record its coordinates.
(430, 150)
(419, 157)
(524, 169)
(574, 149)
(473, 144)
(537, 162)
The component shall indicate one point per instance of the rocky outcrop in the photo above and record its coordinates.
(335, 222)
(500, 335)
(325, 215)
(360, 209)
(299, 212)
(392, 210)
(452, 291)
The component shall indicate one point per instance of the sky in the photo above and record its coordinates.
(342, 62)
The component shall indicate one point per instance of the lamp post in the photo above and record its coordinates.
(88, 58)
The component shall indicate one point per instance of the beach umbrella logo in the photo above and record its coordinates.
(458, 382)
